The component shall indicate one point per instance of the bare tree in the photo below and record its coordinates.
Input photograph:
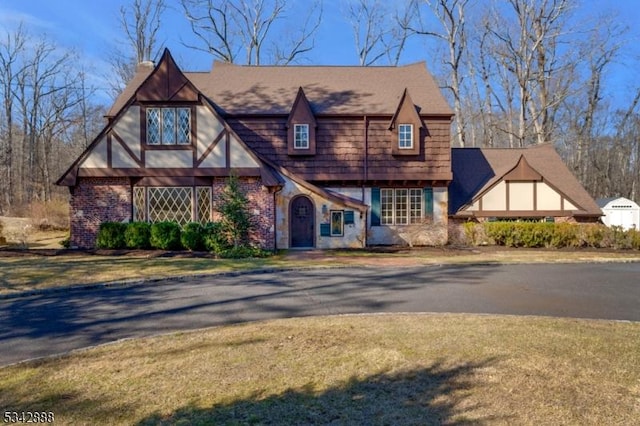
(379, 31)
(451, 15)
(11, 68)
(140, 21)
(226, 27)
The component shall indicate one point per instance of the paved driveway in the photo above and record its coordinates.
(49, 324)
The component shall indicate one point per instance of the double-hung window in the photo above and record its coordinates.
(301, 136)
(168, 126)
(405, 136)
(401, 206)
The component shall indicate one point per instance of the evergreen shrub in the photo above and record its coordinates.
(165, 236)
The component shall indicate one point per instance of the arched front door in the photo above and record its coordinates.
(301, 222)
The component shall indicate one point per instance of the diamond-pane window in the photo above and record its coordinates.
(170, 204)
(153, 126)
(203, 194)
(184, 126)
(168, 126)
(139, 205)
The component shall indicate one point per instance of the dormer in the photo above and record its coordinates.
(167, 102)
(406, 127)
(301, 127)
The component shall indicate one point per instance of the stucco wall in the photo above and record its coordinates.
(431, 233)
(354, 234)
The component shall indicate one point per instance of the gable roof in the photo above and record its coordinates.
(475, 170)
(604, 202)
(356, 90)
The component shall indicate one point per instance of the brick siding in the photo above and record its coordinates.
(97, 200)
(261, 208)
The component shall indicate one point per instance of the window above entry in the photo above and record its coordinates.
(405, 136)
(301, 136)
(168, 126)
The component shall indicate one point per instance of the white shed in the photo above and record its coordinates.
(620, 212)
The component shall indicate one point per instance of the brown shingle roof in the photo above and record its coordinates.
(329, 89)
(354, 90)
(477, 169)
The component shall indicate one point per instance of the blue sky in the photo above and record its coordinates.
(91, 27)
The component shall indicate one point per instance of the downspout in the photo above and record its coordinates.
(366, 175)
(275, 220)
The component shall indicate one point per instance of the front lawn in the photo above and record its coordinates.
(369, 369)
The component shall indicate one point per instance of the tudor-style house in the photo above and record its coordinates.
(328, 157)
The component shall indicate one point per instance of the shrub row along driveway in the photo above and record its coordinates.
(48, 324)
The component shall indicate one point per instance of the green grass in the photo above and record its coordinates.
(375, 369)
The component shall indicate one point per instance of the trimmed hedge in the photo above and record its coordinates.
(550, 235)
(165, 236)
(138, 235)
(111, 235)
(192, 237)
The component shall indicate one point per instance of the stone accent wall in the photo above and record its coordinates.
(260, 206)
(97, 200)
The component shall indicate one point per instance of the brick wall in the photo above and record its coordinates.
(97, 200)
(261, 209)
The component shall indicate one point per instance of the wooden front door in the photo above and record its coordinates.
(301, 220)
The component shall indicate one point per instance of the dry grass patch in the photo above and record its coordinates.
(380, 369)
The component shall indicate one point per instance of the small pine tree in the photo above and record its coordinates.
(234, 209)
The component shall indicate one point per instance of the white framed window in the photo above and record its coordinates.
(168, 126)
(181, 204)
(337, 223)
(301, 136)
(401, 206)
(203, 204)
(405, 136)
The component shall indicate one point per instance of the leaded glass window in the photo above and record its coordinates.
(153, 126)
(183, 130)
(170, 204)
(168, 126)
(203, 197)
(139, 205)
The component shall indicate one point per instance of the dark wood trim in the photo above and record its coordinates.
(519, 213)
(127, 149)
(192, 145)
(227, 141)
(210, 148)
(109, 154)
(178, 172)
(507, 189)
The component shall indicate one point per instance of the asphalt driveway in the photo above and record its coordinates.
(49, 324)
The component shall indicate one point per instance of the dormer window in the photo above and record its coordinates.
(168, 126)
(301, 136)
(405, 136)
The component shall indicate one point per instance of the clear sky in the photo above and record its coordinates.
(91, 27)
